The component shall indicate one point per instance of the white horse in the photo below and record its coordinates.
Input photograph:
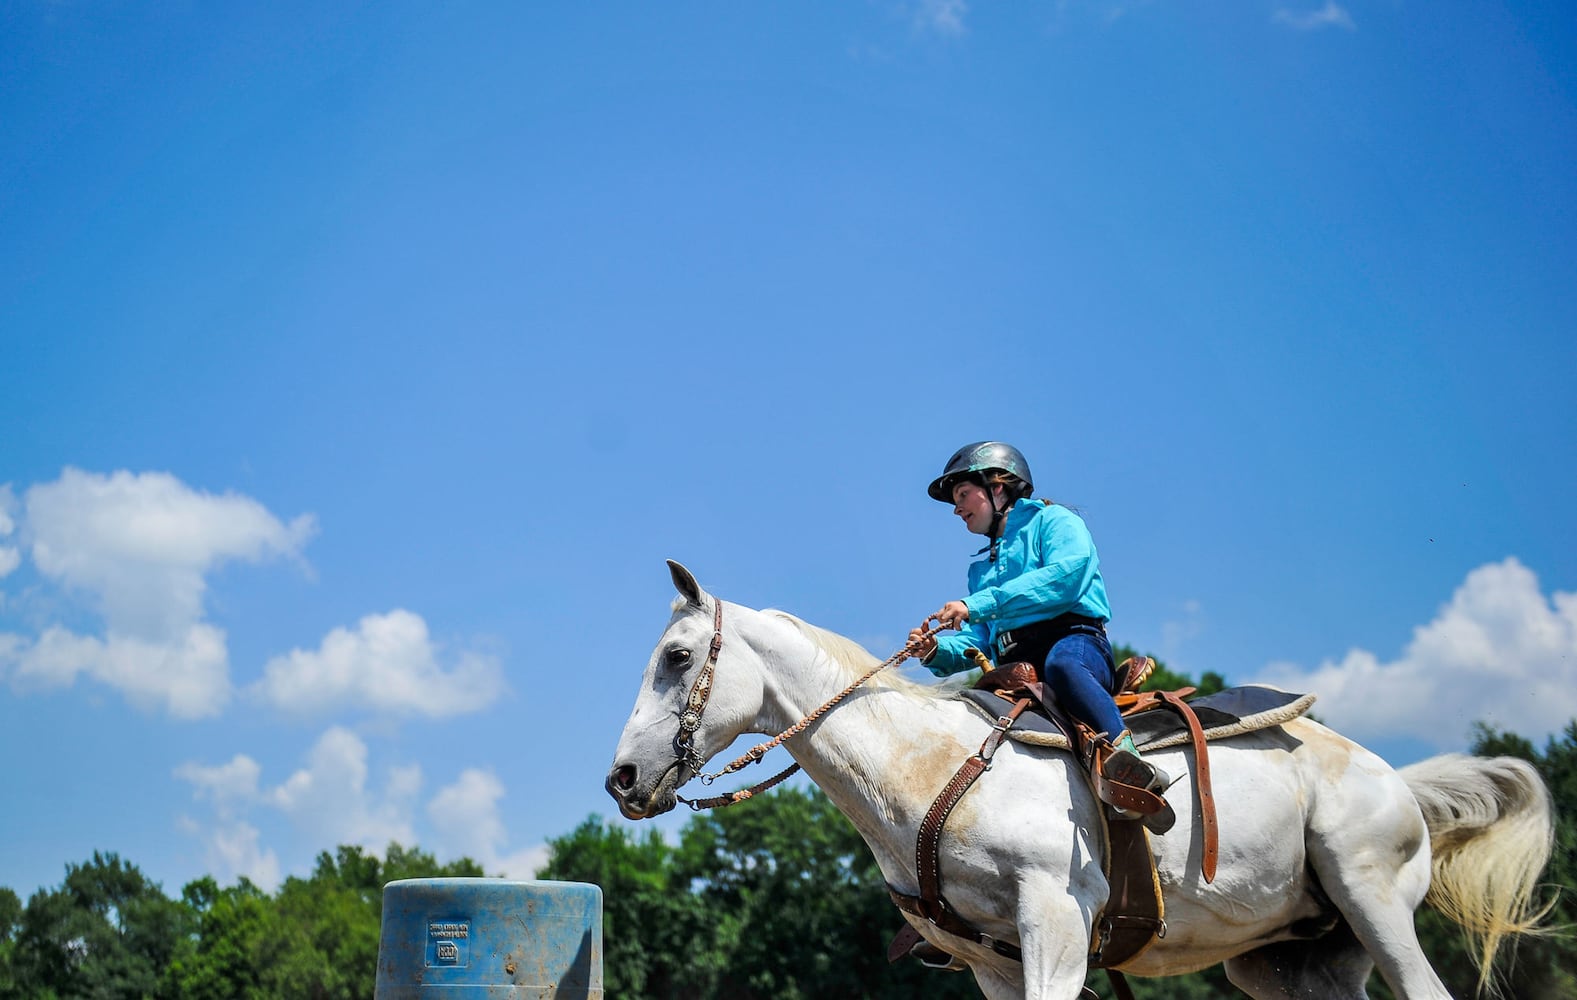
(1308, 820)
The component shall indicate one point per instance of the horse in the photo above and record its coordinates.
(1325, 851)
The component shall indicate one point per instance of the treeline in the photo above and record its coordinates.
(108, 933)
(777, 897)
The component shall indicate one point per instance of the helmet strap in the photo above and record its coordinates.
(998, 515)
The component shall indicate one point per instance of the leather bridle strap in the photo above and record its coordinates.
(755, 753)
(700, 691)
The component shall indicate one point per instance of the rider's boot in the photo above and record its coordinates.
(1125, 766)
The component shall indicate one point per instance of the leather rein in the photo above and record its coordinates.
(701, 692)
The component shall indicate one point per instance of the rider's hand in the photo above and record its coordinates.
(953, 614)
(921, 645)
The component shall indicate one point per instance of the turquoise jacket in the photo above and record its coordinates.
(1046, 566)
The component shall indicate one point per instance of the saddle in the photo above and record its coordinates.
(1026, 712)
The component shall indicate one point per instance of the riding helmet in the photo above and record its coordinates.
(976, 459)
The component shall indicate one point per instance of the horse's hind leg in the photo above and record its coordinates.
(1333, 967)
(1376, 872)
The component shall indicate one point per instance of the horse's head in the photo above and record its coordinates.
(703, 687)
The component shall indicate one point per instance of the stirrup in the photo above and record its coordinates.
(932, 957)
(1130, 769)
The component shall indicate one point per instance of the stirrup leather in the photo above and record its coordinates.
(1132, 787)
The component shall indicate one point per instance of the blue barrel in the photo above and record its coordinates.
(490, 939)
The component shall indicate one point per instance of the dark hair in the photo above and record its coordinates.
(1013, 487)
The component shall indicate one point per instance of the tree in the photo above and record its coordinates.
(802, 907)
(228, 954)
(318, 938)
(10, 922)
(1166, 680)
(107, 932)
(656, 942)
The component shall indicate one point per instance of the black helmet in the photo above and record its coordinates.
(975, 459)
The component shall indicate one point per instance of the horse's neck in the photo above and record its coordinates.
(881, 754)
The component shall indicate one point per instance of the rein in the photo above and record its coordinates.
(701, 690)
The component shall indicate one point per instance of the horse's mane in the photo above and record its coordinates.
(854, 658)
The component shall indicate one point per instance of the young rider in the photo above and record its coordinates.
(1035, 594)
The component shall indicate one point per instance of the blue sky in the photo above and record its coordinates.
(361, 364)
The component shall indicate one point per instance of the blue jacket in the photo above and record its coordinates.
(1046, 566)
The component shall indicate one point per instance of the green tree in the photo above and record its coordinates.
(10, 922)
(800, 904)
(317, 938)
(107, 932)
(1166, 680)
(228, 955)
(656, 941)
(777, 897)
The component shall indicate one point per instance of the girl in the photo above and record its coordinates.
(1035, 594)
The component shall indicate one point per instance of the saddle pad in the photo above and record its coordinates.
(994, 706)
(1232, 712)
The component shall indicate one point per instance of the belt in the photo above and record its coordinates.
(1008, 638)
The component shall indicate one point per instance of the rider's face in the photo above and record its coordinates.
(973, 504)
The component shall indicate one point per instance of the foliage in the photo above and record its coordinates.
(777, 898)
(1166, 680)
(651, 925)
(10, 922)
(108, 933)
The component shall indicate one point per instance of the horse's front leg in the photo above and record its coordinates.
(1054, 922)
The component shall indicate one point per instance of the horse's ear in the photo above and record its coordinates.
(685, 583)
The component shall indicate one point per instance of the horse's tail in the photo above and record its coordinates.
(1491, 830)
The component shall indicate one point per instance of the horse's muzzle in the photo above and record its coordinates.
(635, 802)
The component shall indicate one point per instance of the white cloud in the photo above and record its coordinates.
(387, 663)
(10, 556)
(1332, 15)
(330, 800)
(465, 815)
(140, 547)
(1498, 652)
(233, 845)
(1176, 632)
(141, 544)
(946, 17)
(187, 675)
(230, 787)
(235, 849)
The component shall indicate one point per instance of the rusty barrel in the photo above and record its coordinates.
(490, 939)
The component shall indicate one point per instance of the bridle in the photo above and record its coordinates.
(701, 692)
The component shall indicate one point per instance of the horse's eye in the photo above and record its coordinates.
(677, 658)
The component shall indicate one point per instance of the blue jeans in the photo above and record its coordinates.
(1080, 672)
